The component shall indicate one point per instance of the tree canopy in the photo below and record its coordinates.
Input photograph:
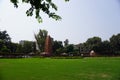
(40, 39)
(5, 42)
(4, 36)
(38, 6)
(115, 43)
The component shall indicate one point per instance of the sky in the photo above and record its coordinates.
(81, 19)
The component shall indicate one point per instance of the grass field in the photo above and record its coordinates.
(60, 69)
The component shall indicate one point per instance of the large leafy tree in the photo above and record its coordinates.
(4, 36)
(93, 43)
(57, 47)
(69, 48)
(66, 42)
(40, 39)
(105, 48)
(5, 41)
(115, 43)
(26, 47)
(38, 6)
(12, 47)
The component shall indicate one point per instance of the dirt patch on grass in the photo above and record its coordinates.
(92, 76)
(105, 75)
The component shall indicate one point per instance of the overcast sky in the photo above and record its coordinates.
(82, 19)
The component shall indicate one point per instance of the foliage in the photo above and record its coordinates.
(57, 47)
(108, 47)
(69, 48)
(83, 48)
(115, 43)
(19, 49)
(4, 49)
(4, 37)
(5, 42)
(105, 48)
(26, 47)
(93, 43)
(38, 6)
(1, 43)
(111, 47)
(40, 39)
(12, 46)
(66, 42)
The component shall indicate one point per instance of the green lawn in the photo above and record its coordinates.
(60, 69)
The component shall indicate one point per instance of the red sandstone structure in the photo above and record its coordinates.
(48, 46)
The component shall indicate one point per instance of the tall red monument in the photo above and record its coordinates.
(48, 46)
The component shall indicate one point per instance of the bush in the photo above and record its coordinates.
(4, 49)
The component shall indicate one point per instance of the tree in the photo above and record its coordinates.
(115, 43)
(38, 6)
(34, 47)
(93, 43)
(4, 49)
(69, 48)
(5, 40)
(105, 48)
(4, 36)
(57, 47)
(1, 43)
(26, 47)
(66, 42)
(19, 49)
(12, 46)
(40, 39)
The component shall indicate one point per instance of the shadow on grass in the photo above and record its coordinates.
(1, 73)
(1, 77)
(118, 78)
